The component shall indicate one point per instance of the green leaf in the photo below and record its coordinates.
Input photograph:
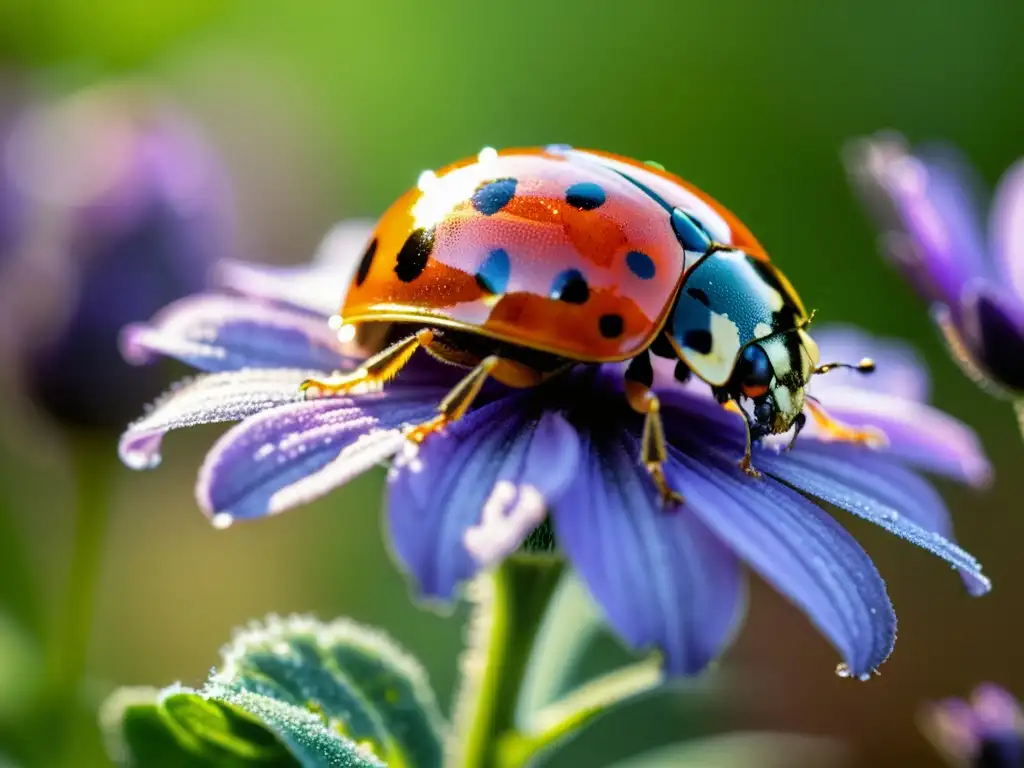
(355, 676)
(291, 692)
(223, 727)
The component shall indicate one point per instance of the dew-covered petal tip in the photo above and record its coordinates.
(225, 333)
(467, 497)
(207, 399)
(916, 433)
(800, 550)
(864, 483)
(659, 575)
(291, 455)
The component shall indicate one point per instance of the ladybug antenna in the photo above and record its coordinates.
(867, 365)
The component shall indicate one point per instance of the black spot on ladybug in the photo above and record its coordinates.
(640, 264)
(699, 295)
(492, 196)
(366, 262)
(698, 340)
(689, 232)
(415, 254)
(492, 276)
(611, 326)
(586, 195)
(571, 287)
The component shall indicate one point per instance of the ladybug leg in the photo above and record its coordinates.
(745, 464)
(375, 371)
(833, 429)
(456, 402)
(653, 450)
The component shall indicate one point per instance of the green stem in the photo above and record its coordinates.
(93, 471)
(509, 617)
(571, 713)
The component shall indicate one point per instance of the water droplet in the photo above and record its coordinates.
(843, 670)
(346, 333)
(426, 181)
(864, 678)
(487, 155)
(222, 520)
(335, 322)
(140, 459)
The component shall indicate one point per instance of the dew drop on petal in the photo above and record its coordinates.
(335, 322)
(140, 459)
(222, 520)
(843, 670)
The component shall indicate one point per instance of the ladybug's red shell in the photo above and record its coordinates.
(565, 251)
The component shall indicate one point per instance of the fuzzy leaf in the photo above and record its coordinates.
(356, 677)
(221, 726)
(291, 692)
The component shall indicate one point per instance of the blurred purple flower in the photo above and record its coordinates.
(470, 496)
(985, 732)
(926, 204)
(114, 207)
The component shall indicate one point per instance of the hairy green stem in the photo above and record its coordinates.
(510, 609)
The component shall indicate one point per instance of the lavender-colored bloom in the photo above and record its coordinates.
(985, 732)
(559, 461)
(926, 204)
(123, 208)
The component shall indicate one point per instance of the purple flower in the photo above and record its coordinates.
(987, 731)
(121, 208)
(558, 464)
(926, 204)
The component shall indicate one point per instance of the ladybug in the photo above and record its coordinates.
(522, 263)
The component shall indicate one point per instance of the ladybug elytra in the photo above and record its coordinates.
(522, 263)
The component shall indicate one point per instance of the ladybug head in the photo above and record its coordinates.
(739, 325)
(772, 373)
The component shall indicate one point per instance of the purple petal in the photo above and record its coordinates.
(996, 709)
(1007, 228)
(319, 286)
(208, 399)
(933, 199)
(227, 333)
(291, 455)
(469, 496)
(859, 483)
(800, 550)
(900, 371)
(660, 576)
(992, 325)
(916, 433)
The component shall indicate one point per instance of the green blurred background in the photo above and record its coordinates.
(329, 109)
